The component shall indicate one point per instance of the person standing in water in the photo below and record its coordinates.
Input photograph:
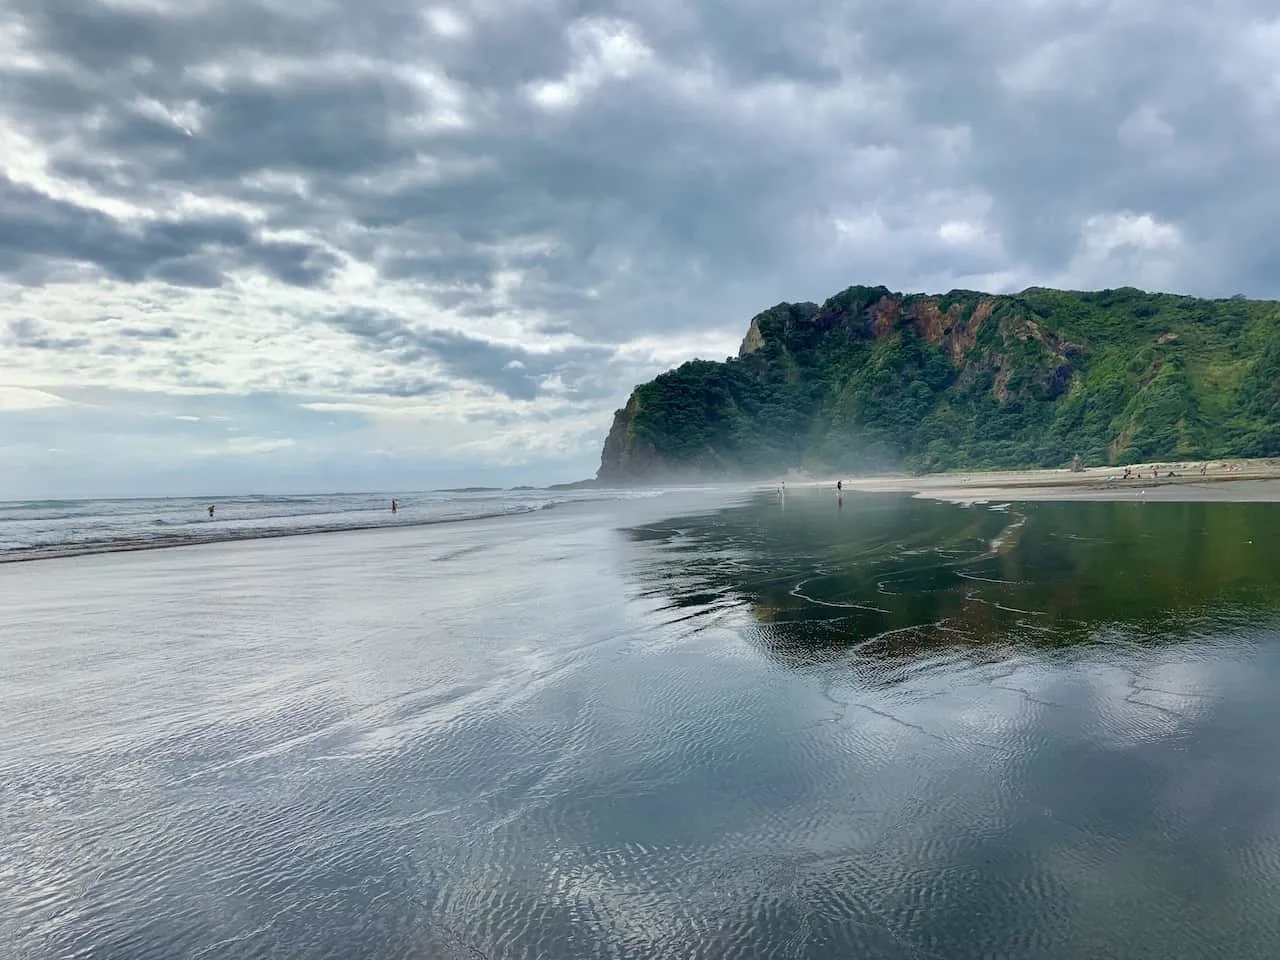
(393, 506)
(211, 511)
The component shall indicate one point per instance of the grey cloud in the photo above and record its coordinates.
(30, 333)
(149, 333)
(1044, 92)
(37, 228)
(382, 333)
(511, 371)
(297, 264)
(326, 119)
(689, 194)
(119, 350)
(614, 193)
(191, 271)
(110, 37)
(406, 387)
(333, 125)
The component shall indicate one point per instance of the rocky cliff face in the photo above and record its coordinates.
(874, 379)
(625, 456)
(753, 341)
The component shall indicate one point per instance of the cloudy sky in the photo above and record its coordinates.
(384, 244)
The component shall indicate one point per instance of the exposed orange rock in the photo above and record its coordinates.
(967, 338)
(1001, 388)
(753, 341)
(951, 329)
(884, 316)
(931, 323)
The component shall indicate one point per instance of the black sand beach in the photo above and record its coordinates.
(687, 726)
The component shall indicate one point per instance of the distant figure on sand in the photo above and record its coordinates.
(211, 511)
(393, 506)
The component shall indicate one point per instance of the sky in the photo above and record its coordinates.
(310, 245)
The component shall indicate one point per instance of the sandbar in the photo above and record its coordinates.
(1228, 481)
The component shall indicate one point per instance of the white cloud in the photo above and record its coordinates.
(1126, 249)
(960, 232)
(26, 398)
(248, 446)
(446, 22)
(605, 50)
(1059, 66)
(1254, 66)
(530, 443)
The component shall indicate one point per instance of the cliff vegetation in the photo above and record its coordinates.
(874, 380)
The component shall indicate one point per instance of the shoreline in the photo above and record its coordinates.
(1225, 481)
(211, 535)
(1234, 481)
(93, 549)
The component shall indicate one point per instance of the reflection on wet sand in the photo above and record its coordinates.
(888, 577)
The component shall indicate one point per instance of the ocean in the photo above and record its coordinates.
(695, 724)
(41, 528)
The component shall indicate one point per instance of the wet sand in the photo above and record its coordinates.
(701, 726)
(1228, 481)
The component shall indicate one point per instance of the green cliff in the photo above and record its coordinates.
(874, 380)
